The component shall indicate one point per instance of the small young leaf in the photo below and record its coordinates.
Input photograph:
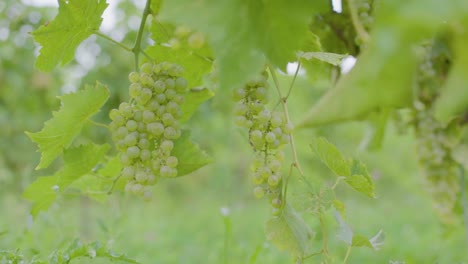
(330, 156)
(361, 241)
(59, 132)
(78, 162)
(289, 232)
(331, 58)
(192, 100)
(189, 154)
(75, 22)
(360, 179)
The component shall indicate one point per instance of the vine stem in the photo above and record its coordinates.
(362, 33)
(98, 124)
(97, 33)
(464, 201)
(137, 47)
(348, 252)
(288, 120)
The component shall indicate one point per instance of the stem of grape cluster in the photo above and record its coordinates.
(360, 30)
(97, 33)
(288, 120)
(137, 47)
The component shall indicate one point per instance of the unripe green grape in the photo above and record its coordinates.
(275, 144)
(270, 137)
(196, 40)
(180, 84)
(156, 165)
(172, 107)
(259, 192)
(257, 107)
(133, 152)
(256, 136)
(276, 203)
(153, 105)
(276, 119)
(128, 172)
(265, 172)
(156, 129)
(167, 146)
(172, 161)
(170, 133)
(179, 99)
(131, 125)
(167, 119)
(288, 128)
(121, 144)
(241, 109)
(241, 120)
(157, 68)
(274, 165)
(135, 90)
(148, 116)
(125, 160)
(114, 114)
(141, 127)
(159, 86)
(170, 83)
(151, 180)
(145, 155)
(248, 124)
(275, 211)
(261, 94)
(257, 178)
(174, 43)
(145, 96)
(147, 68)
(121, 133)
(257, 162)
(273, 180)
(161, 110)
(239, 94)
(143, 143)
(134, 77)
(141, 176)
(138, 116)
(137, 189)
(182, 31)
(161, 98)
(129, 186)
(146, 80)
(170, 94)
(264, 116)
(131, 139)
(165, 171)
(285, 139)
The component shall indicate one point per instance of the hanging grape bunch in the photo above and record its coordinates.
(434, 149)
(183, 34)
(145, 128)
(268, 133)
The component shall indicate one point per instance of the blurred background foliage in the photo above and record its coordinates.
(210, 216)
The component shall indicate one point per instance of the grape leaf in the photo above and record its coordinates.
(330, 156)
(193, 99)
(360, 179)
(59, 132)
(75, 22)
(245, 34)
(289, 232)
(331, 58)
(78, 161)
(190, 156)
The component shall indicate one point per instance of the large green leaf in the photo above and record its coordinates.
(193, 99)
(59, 132)
(245, 34)
(189, 154)
(75, 22)
(78, 161)
(289, 232)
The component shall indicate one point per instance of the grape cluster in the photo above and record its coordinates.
(433, 145)
(145, 128)
(182, 34)
(268, 133)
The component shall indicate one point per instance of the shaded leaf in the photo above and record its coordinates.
(59, 132)
(289, 232)
(78, 162)
(189, 154)
(75, 22)
(244, 35)
(192, 101)
(360, 179)
(330, 156)
(331, 58)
